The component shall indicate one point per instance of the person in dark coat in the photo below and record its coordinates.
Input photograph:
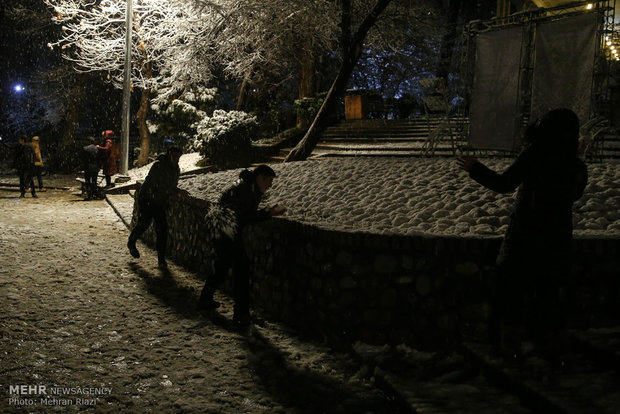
(534, 262)
(242, 199)
(91, 166)
(153, 200)
(24, 164)
(108, 157)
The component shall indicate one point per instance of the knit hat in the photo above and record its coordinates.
(35, 138)
(108, 133)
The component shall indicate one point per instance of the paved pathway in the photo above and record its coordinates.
(105, 332)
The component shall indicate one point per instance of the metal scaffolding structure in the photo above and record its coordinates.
(607, 39)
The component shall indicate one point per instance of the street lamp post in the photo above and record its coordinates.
(126, 90)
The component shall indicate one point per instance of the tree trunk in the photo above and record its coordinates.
(449, 39)
(143, 111)
(143, 130)
(306, 81)
(305, 147)
(243, 91)
(75, 102)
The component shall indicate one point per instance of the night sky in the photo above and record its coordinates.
(49, 81)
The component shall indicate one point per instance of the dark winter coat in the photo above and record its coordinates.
(109, 157)
(24, 157)
(90, 159)
(243, 198)
(540, 229)
(161, 182)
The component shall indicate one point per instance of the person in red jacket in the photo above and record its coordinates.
(108, 157)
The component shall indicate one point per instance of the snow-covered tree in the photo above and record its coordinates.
(256, 41)
(93, 38)
(225, 138)
(178, 44)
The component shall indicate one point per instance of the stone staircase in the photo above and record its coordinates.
(400, 138)
(419, 137)
(606, 149)
(438, 137)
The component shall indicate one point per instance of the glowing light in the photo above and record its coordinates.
(19, 88)
(608, 43)
(589, 6)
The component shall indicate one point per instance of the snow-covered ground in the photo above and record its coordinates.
(409, 196)
(186, 162)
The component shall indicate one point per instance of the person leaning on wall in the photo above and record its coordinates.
(242, 199)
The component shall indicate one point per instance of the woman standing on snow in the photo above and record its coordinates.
(109, 157)
(534, 263)
(38, 161)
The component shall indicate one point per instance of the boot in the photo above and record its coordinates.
(133, 250)
(206, 301)
(242, 321)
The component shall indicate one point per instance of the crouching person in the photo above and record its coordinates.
(241, 202)
(153, 200)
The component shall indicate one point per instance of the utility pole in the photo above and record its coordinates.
(126, 90)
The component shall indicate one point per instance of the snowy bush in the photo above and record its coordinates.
(176, 113)
(225, 138)
(307, 108)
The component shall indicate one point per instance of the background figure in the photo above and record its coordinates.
(108, 157)
(534, 263)
(153, 199)
(24, 163)
(243, 199)
(38, 161)
(91, 166)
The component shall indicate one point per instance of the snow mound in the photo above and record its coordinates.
(409, 196)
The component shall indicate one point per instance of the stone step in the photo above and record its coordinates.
(602, 345)
(379, 134)
(412, 154)
(581, 387)
(365, 139)
(475, 379)
(377, 146)
(435, 382)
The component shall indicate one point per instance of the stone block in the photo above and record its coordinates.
(424, 285)
(466, 269)
(377, 317)
(385, 264)
(344, 259)
(348, 283)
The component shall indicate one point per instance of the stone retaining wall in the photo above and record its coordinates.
(424, 289)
